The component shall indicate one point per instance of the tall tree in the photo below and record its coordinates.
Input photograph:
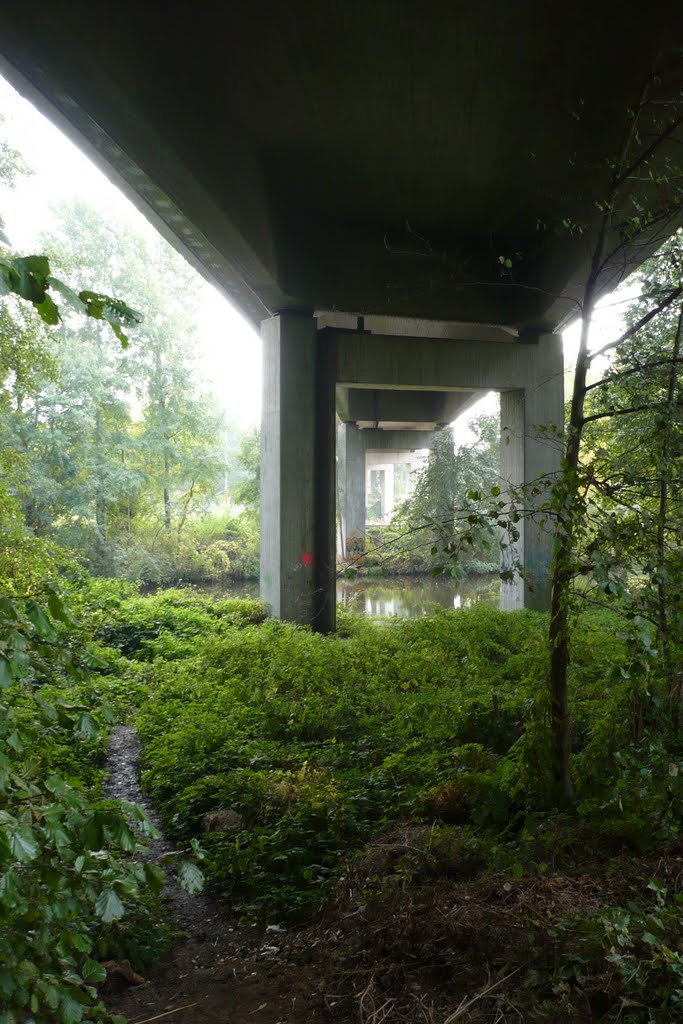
(642, 201)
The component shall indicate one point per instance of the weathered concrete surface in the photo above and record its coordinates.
(377, 158)
(351, 487)
(427, 364)
(365, 405)
(297, 473)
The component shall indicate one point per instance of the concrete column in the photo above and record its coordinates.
(297, 472)
(353, 514)
(532, 423)
(388, 503)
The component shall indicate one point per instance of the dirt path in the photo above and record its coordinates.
(219, 972)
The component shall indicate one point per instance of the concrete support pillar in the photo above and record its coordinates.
(388, 496)
(297, 472)
(532, 423)
(353, 513)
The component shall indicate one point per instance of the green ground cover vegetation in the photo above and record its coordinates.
(318, 747)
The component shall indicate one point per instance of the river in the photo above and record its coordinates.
(404, 597)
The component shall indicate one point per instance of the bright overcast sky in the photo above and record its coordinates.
(230, 357)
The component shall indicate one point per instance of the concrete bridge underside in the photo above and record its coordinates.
(407, 164)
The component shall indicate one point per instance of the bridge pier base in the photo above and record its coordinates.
(297, 472)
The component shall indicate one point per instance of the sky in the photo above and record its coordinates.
(229, 356)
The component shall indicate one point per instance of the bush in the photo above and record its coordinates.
(66, 876)
(317, 742)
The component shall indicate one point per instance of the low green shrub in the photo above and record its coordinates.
(67, 881)
(318, 742)
(168, 624)
(627, 958)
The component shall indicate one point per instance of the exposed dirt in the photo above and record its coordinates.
(411, 935)
(218, 971)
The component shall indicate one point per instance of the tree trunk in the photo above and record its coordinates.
(568, 504)
(664, 469)
(167, 493)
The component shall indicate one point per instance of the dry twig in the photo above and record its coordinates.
(168, 1013)
(467, 1004)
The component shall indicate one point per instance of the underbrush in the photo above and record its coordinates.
(386, 789)
(313, 744)
(73, 890)
(418, 929)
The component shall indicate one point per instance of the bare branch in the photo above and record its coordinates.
(664, 304)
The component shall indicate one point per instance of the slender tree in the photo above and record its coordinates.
(643, 199)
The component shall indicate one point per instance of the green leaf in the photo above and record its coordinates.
(92, 972)
(5, 674)
(57, 786)
(155, 877)
(108, 906)
(68, 294)
(121, 834)
(40, 620)
(70, 1011)
(85, 726)
(123, 338)
(37, 265)
(190, 877)
(91, 660)
(48, 311)
(141, 818)
(93, 831)
(8, 608)
(23, 845)
(57, 609)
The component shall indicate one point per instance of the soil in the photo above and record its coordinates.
(407, 937)
(218, 971)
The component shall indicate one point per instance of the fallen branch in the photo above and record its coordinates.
(168, 1013)
(466, 1003)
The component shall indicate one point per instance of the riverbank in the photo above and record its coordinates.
(385, 596)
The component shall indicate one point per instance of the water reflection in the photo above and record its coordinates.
(405, 597)
(411, 597)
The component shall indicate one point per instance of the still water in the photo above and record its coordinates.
(406, 597)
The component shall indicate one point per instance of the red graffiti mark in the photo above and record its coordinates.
(307, 558)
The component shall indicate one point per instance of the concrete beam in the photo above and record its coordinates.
(356, 405)
(396, 440)
(411, 327)
(430, 364)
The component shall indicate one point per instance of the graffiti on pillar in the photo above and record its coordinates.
(307, 558)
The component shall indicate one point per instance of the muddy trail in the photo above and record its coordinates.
(217, 971)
